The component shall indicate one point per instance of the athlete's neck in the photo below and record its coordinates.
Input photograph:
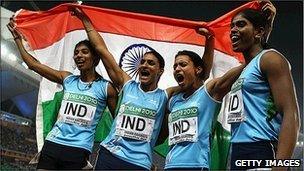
(252, 52)
(196, 85)
(149, 87)
(88, 76)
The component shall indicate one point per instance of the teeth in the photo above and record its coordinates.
(234, 38)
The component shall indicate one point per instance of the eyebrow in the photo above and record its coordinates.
(239, 20)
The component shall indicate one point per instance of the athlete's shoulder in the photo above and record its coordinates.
(70, 78)
(273, 60)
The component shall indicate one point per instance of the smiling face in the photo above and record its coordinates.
(185, 72)
(83, 57)
(149, 70)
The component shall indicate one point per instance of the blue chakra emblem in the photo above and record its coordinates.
(130, 59)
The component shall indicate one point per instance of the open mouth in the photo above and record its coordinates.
(179, 78)
(79, 63)
(235, 39)
(144, 73)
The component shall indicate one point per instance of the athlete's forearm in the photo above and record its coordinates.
(208, 55)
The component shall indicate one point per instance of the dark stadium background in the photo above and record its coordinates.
(287, 37)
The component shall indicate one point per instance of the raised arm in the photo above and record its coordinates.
(209, 51)
(270, 11)
(219, 87)
(276, 69)
(117, 75)
(207, 58)
(34, 64)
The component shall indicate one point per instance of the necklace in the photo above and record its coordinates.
(87, 86)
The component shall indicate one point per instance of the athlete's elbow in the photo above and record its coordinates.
(101, 49)
(222, 87)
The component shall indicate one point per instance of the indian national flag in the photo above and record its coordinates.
(52, 35)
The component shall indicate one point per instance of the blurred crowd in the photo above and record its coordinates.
(18, 146)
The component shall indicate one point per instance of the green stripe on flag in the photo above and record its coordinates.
(162, 149)
(219, 147)
(104, 126)
(50, 111)
(219, 144)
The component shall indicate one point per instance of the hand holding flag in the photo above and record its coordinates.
(207, 32)
(12, 28)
